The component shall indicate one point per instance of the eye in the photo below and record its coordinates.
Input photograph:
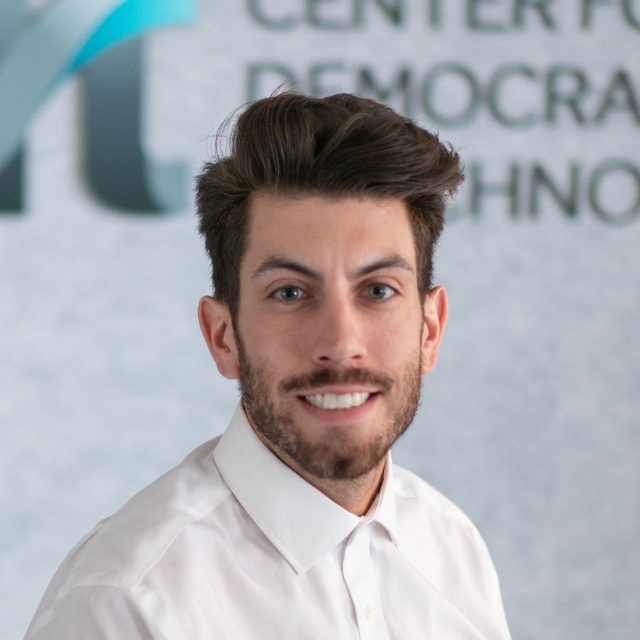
(289, 293)
(380, 291)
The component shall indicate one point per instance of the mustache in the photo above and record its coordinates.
(326, 376)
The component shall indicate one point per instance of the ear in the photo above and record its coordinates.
(216, 326)
(435, 318)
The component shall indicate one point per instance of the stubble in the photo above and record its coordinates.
(332, 455)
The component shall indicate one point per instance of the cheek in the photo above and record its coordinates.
(274, 343)
(400, 333)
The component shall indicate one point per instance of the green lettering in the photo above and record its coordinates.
(264, 77)
(317, 71)
(434, 13)
(429, 88)
(316, 15)
(629, 15)
(480, 189)
(542, 8)
(602, 172)
(278, 24)
(586, 11)
(494, 92)
(474, 20)
(558, 95)
(369, 86)
(393, 10)
(619, 96)
(567, 201)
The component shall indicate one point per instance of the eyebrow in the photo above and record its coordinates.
(276, 263)
(390, 262)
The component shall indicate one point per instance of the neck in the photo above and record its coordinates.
(355, 494)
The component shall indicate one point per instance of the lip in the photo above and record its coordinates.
(339, 390)
(337, 416)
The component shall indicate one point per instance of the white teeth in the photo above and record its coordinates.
(337, 400)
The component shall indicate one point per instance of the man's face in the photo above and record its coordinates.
(331, 338)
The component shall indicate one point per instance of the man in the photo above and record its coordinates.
(320, 225)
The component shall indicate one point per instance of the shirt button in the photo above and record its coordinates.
(369, 612)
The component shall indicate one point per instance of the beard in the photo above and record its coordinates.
(332, 454)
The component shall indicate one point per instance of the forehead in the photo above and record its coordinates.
(323, 230)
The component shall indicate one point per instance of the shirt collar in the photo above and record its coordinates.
(299, 520)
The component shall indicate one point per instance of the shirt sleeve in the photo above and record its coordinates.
(94, 613)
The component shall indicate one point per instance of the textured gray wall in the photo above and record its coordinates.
(530, 422)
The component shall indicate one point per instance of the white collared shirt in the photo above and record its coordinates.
(234, 544)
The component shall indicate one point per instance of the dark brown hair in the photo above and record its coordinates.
(337, 146)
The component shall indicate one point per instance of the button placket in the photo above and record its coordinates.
(361, 582)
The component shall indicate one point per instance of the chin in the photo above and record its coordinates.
(338, 455)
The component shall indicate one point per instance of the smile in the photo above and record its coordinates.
(337, 400)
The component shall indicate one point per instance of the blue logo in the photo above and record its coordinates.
(101, 38)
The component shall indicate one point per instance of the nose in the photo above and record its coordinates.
(338, 334)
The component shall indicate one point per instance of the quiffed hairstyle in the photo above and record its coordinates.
(337, 146)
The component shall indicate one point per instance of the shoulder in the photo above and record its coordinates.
(121, 549)
(442, 544)
(93, 612)
(410, 487)
(427, 520)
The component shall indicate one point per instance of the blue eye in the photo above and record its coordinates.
(288, 294)
(380, 291)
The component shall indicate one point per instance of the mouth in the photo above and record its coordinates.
(337, 401)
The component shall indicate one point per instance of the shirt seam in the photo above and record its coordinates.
(136, 583)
